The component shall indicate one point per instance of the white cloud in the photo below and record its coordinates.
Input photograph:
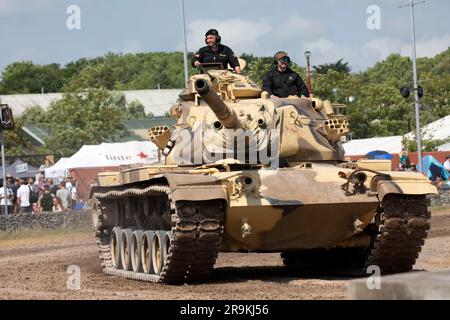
(398, 27)
(241, 35)
(9, 7)
(295, 35)
(383, 47)
(262, 37)
(431, 47)
(326, 51)
(323, 46)
(298, 26)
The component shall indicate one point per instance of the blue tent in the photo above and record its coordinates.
(433, 168)
(19, 169)
(379, 154)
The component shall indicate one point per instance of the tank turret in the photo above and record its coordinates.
(300, 129)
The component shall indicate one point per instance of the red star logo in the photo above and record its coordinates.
(142, 155)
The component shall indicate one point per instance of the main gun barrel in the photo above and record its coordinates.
(225, 114)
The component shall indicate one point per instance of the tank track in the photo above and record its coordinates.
(195, 234)
(397, 240)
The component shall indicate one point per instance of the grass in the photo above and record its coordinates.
(440, 210)
(29, 237)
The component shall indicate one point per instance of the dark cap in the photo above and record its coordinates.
(212, 32)
(280, 54)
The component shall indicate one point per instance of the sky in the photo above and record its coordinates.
(37, 30)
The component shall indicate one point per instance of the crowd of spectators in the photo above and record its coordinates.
(33, 196)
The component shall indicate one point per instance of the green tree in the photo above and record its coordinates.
(93, 76)
(84, 117)
(16, 141)
(258, 68)
(135, 111)
(338, 66)
(73, 68)
(26, 77)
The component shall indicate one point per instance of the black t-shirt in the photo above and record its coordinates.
(14, 189)
(47, 202)
(223, 55)
(54, 189)
(284, 84)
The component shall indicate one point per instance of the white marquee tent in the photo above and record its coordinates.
(58, 169)
(358, 147)
(444, 147)
(438, 130)
(106, 155)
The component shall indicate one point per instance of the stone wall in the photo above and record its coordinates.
(440, 200)
(52, 220)
(82, 219)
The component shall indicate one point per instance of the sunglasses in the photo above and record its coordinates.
(285, 60)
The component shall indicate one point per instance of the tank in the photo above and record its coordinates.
(245, 173)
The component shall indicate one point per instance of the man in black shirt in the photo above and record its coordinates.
(46, 201)
(14, 189)
(282, 81)
(215, 52)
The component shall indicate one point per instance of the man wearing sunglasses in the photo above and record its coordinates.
(282, 81)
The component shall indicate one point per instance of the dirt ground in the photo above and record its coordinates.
(35, 267)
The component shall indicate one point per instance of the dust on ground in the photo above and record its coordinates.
(34, 266)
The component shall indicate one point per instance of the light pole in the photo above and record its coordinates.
(186, 72)
(5, 190)
(412, 4)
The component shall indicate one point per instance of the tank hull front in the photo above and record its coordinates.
(294, 209)
(275, 229)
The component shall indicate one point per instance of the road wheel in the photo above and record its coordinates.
(125, 249)
(146, 252)
(158, 250)
(136, 250)
(115, 244)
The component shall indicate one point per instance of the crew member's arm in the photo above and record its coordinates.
(302, 89)
(267, 84)
(233, 61)
(197, 58)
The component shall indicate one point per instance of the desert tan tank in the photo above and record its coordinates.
(245, 173)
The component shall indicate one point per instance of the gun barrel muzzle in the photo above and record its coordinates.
(225, 114)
